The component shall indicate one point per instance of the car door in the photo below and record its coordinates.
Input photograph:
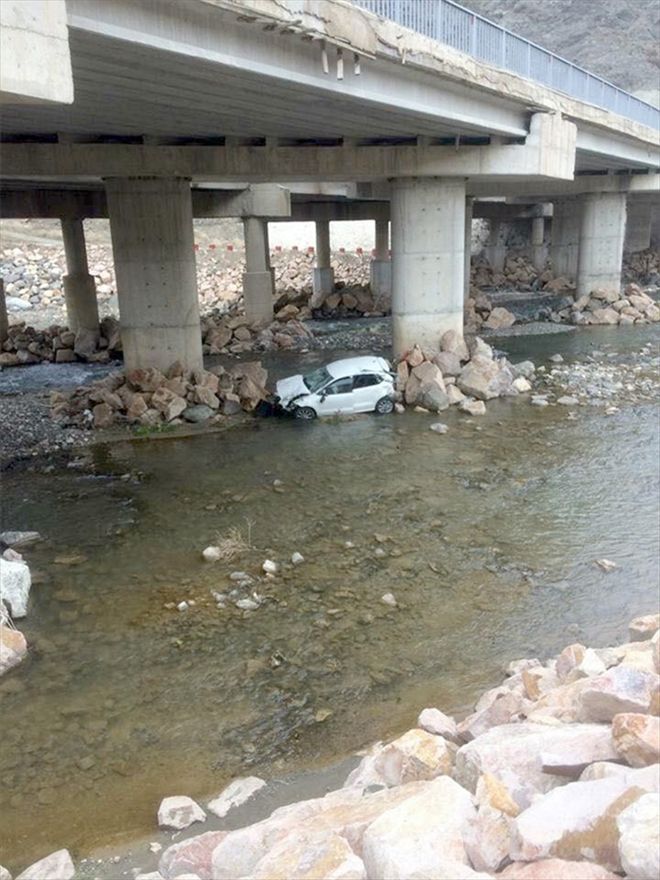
(337, 397)
(366, 391)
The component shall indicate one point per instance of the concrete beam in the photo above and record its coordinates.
(606, 145)
(548, 152)
(260, 200)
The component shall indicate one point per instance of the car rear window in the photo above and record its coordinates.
(365, 380)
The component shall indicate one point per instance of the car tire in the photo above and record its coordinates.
(304, 413)
(384, 406)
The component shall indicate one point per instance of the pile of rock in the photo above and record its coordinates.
(517, 272)
(461, 373)
(57, 344)
(610, 307)
(479, 313)
(553, 776)
(230, 332)
(642, 266)
(151, 398)
(351, 302)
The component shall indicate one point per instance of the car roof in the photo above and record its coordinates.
(351, 366)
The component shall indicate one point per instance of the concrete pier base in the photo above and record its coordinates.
(258, 283)
(602, 232)
(539, 254)
(152, 240)
(566, 214)
(467, 252)
(380, 279)
(79, 288)
(4, 320)
(495, 250)
(428, 237)
(323, 275)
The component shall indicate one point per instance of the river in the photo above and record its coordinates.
(486, 536)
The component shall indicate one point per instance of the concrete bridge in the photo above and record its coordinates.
(151, 112)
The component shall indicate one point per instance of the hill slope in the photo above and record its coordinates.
(616, 39)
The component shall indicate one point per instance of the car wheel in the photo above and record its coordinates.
(384, 406)
(306, 413)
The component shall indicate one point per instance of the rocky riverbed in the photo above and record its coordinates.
(554, 775)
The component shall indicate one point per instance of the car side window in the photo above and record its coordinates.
(365, 380)
(341, 386)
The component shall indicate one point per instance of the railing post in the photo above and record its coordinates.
(529, 60)
(473, 36)
(503, 49)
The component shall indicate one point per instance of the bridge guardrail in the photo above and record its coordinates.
(450, 23)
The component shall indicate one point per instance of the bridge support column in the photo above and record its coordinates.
(152, 240)
(601, 242)
(323, 276)
(565, 238)
(428, 240)
(380, 269)
(258, 285)
(538, 250)
(79, 289)
(4, 320)
(469, 205)
(638, 226)
(496, 248)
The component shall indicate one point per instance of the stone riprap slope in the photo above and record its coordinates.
(554, 776)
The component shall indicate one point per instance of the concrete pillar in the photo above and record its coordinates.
(496, 247)
(638, 226)
(428, 239)
(4, 320)
(538, 250)
(258, 284)
(380, 268)
(467, 254)
(566, 214)
(79, 289)
(601, 242)
(153, 244)
(323, 276)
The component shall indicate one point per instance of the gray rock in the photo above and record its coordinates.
(19, 539)
(439, 427)
(56, 866)
(526, 369)
(198, 413)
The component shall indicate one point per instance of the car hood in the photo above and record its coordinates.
(292, 386)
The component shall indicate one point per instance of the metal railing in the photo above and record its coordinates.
(450, 23)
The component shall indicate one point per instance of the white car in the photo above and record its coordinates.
(353, 385)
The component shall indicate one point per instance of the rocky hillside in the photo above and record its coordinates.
(619, 40)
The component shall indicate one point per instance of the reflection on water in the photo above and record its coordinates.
(486, 536)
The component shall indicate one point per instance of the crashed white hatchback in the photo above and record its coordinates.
(353, 385)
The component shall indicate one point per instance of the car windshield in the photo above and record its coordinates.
(317, 379)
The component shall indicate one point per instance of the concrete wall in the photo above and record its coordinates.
(35, 62)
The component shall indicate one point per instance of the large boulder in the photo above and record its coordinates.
(236, 793)
(578, 820)
(487, 838)
(506, 708)
(556, 869)
(436, 722)
(56, 866)
(414, 756)
(347, 812)
(15, 582)
(499, 319)
(478, 378)
(639, 838)
(644, 627)
(190, 856)
(13, 647)
(179, 812)
(305, 855)
(453, 342)
(413, 839)
(637, 738)
(513, 753)
(620, 689)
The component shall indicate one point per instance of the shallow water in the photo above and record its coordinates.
(486, 536)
